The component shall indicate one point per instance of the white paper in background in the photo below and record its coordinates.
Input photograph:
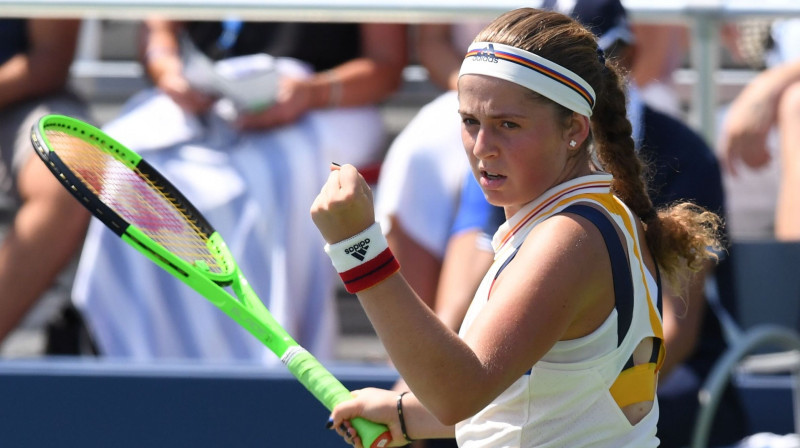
(250, 82)
(198, 69)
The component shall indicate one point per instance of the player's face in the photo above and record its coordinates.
(515, 144)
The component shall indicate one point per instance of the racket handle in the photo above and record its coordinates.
(323, 385)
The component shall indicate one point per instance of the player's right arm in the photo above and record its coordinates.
(551, 291)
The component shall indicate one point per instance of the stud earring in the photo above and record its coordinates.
(572, 143)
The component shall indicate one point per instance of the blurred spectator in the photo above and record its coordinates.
(252, 156)
(761, 134)
(662, 49)
(48, 225)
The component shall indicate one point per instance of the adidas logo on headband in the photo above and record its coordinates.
(532, 71)
(486, 54)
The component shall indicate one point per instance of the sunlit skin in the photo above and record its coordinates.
(518, 149)
(516, 145)
(558, 287)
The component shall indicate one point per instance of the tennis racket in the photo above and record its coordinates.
(137, 203)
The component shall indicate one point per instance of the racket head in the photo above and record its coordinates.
(132, 198)
(141, 206)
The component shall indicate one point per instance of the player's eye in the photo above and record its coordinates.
(509, 124)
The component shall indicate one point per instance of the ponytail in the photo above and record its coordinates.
(681, 236)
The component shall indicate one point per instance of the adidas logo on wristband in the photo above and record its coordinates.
(358, 250)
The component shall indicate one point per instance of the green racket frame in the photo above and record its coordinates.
(248, 310)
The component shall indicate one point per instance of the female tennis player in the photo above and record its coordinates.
(563, 341)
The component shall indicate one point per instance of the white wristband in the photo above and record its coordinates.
(358, 249)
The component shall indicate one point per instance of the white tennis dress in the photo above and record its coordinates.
(565, 400)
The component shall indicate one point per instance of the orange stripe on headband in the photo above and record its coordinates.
(549, 72)
(532, 71)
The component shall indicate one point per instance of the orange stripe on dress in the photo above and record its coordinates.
(655, 320)
(615, 206)
(547, 203)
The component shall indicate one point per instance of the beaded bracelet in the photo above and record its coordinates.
(401, 415)
(363, 260)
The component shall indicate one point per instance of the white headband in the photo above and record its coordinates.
(532, 71)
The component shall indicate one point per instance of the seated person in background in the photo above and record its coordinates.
(48, 225)
(770, 102)
(681, 166)
(252, 170)
(667, 45)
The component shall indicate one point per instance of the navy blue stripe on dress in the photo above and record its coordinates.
(505, 263)
(620, 268)
(656, 341)
(503, 266)
(499, 270)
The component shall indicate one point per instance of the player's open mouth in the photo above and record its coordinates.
(491, 176)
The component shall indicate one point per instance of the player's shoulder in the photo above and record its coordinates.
(564, 238)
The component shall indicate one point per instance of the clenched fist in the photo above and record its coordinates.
(344, 206)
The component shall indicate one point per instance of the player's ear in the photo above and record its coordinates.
(577, 130)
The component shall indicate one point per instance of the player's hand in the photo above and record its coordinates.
(344, 206)
(377, 405)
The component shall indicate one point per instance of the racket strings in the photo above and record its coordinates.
(144, 203)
